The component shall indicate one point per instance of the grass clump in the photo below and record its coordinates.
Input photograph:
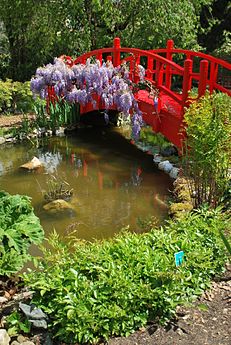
(92, 291)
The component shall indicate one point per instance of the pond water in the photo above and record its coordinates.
(114, 183)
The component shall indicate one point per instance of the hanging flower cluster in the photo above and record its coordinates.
(79, 83)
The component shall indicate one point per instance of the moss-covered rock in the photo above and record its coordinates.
(179, 209)
(181, 190)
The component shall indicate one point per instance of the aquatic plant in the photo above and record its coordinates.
(57, 188)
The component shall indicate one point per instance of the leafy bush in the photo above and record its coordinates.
(17, 323)
(4, 64)
(5, 95)
(208, 148)
(15, 96)
(19, 228)
(94, 290)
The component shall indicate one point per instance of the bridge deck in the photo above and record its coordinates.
(167, 119)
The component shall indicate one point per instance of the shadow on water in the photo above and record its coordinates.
(114, 183)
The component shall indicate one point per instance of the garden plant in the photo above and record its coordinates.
(19, 228)
(207, 155)
(92, 291)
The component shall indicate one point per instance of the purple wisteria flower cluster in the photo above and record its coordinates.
(79, 83)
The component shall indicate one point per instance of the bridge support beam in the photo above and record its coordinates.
(204, 67)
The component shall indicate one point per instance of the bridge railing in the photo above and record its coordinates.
(161, 68)
(209, 73)
(158, 68)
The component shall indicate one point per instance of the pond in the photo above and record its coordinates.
(114, 184)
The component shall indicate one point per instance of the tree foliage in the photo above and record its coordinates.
(37, 31)
(215, 24)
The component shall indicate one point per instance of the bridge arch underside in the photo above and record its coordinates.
(166, 119)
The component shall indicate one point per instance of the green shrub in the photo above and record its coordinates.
(208, 148)
(19, 228)
(22, 99)
(92, 291)
(5, 95)
(15, 96)
(4, 63)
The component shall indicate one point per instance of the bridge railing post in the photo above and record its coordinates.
(168, 77)
(213, 76)
(149, 72)
(187, 82)
(159, 73)
(136, 72)
(204, 67)
(116, 51)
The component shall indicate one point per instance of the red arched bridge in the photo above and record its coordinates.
(174, 81)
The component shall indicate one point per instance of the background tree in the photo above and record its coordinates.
(215, 24)
(39, 30)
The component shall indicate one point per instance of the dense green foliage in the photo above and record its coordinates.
(208, 148)
(15, 97)
(215, 25)
(95, 290)
(19, 228)
(35, 31)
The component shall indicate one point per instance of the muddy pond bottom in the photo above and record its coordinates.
(114, 184)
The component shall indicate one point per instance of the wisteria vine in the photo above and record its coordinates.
(79, 83)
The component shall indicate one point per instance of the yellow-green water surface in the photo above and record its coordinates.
(114, 183)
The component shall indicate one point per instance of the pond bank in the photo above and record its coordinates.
(191, 324)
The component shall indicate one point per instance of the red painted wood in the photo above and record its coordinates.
(187, 82)
(116, 52)
(170, 45)
(204, 67)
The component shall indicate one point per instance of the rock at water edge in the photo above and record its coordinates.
(58, 205)
(4, 337)
(33, 164)
(165, 166)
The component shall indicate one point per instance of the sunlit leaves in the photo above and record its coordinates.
(208, 148)
(43, 29)
(101, 289)
(19, 228)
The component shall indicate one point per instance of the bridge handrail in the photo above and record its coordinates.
(211, 71)
(135, 51)
(160, 69)
(189, 53)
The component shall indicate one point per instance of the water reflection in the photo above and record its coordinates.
(50, 161)
(114, 183)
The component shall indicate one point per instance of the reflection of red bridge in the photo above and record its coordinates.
(197, 69)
